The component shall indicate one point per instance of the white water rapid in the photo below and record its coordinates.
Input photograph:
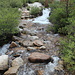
(44, 18)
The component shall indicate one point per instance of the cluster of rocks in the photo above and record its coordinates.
(17, 61)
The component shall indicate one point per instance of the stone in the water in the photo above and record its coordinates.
(59, 67)
(18, 49)
(15, 38)
(3, 62)
(27, 43)
(31, 48)
(12, 45)
(37, 57)
(34, 37)
(42, 47)
(38, 43)
(60, 62)
(17, 62)
(12, 71)
(40, 72)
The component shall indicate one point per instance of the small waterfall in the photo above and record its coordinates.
(44, 18)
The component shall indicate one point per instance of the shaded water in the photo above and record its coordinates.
(4, 49)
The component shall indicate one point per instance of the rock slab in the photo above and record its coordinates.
(37, 57)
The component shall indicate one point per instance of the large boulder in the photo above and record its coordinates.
(3, 62)
(37, 57)
(12, 71)
(17, 62)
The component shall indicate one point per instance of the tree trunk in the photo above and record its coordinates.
(46, 3)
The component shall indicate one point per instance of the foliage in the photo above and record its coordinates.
(16, 3)
(63, 19)
(60, 15)
(8, 23)
(35, 11)
(9, 19)
(68, 52)
(59, 20)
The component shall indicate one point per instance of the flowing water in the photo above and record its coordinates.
(43, 19)
(31, 69)
(4, 49)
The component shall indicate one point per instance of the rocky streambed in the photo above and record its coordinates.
(34, 52)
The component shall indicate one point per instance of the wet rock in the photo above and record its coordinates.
(26, 13)
(15, 38)
(17, 62)
(60, 62)
(18, 49)
(37, 57)
(27, 43)
(40, 72)
(9, 53)
(22, 17)
(3, 62)
(59, 67)
(26, 31)
(38, 43)
(12, 71)
(12, 45)
(34, 37)
(42, 48)
(31, 48)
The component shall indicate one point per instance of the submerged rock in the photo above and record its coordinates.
(3, 62)
(37, 57)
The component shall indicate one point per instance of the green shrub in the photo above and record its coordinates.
(9, 19)
(68, 52)
(35, 11)
(16, 3)
(59, 19)
(4, 4)
(24, 2)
